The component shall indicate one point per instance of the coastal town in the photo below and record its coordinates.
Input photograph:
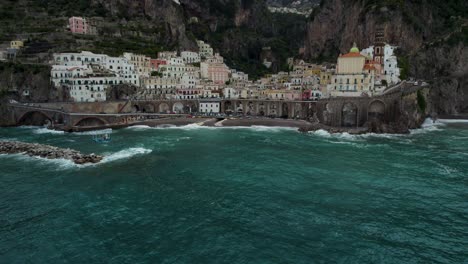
(203, 75)
(362, 92)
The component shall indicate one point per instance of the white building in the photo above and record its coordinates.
(190, 57)
(230, 93)
(391, 72)
(210, 106)
(167, 55)
(189, 80)
(204, 49)
(118, 65)
(78, 59)
(83, 83)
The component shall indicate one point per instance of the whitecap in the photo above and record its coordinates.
(57, 163)
(93, 132)
(139, 127)
(126, 154)
(429, 125)
(271, 129)
(452, 121)
(321, 133)
(47, 131)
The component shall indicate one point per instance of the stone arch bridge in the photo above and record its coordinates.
(336, 112)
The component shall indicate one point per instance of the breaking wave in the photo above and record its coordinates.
(41, 130)
(452, 121)
(47, 131)
(200, 127)
(88, 133)
(126, 154)
(429, 125)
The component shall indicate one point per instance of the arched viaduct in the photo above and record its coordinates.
(336, 112)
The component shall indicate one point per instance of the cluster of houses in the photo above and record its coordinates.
(203, 75)
(11, 50)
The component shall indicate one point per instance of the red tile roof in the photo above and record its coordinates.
(351, 55)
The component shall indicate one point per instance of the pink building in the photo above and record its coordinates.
(218, 73)
(155, 63)
(78, 25)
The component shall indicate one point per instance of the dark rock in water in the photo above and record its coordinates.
(46, 151)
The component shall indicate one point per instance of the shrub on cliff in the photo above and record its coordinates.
(421, 102)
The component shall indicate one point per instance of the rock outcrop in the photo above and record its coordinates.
(47, 152)
(432, 36)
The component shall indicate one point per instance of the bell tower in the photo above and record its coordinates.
(379, 45)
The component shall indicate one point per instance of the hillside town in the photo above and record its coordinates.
(203, 75)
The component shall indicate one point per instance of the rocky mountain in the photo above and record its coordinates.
(238, 29)
(432, 36)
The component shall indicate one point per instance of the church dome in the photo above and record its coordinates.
(354, 49)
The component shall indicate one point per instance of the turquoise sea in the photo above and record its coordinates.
(238, 195)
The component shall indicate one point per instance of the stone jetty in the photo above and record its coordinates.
(47, 152)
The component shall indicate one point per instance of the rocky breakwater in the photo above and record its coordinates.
(47, 152)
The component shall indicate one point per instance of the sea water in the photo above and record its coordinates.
(238, 195)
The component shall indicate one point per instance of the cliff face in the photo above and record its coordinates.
(25, 83)
(424, 31)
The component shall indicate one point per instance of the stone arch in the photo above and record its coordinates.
(90, 121)
(34, 118)
(58, 118)
(272, 109)
(239, 107)
(228, 107)
(349, 115)
(297, 110)
(328, 113)
(135, 108)
(376, 110)
(261, 109)
(249, 108)
(164, 108)
(178, 108)
(284, 110)
(148, 108)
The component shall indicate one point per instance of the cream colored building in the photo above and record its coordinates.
(141, 62)
(353, 76)
(16, 44)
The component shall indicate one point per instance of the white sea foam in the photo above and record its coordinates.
(47, 131)
(429, 125)
(350, 137)
(126, 154)
(196, 126)
(88, 133)
(452, 121)
(139, 127)
(57, 163)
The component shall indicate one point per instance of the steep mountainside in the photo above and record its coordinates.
(238, 29)
(432, 36)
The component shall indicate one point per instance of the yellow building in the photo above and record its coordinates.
(353, 76)
(16, 44)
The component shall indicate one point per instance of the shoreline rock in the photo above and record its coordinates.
(47, 152)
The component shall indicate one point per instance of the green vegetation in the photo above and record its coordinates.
(403, 64)
(156, 74)
(459, 37)
(422, 104)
